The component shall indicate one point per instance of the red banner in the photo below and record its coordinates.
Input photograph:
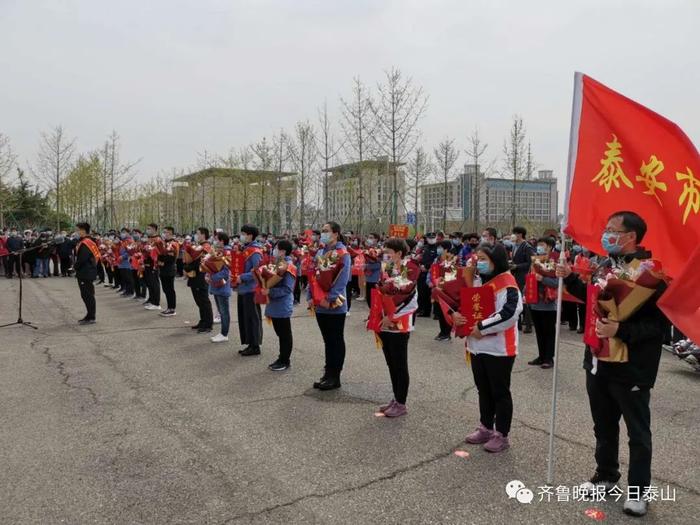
(398, 230)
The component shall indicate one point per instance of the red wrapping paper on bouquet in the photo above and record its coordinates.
(321, 281)
(589, 336)
(266, 277)
(448, 297)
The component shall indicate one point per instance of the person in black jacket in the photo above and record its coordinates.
(623, 389)
(521, 261)
(64, 250)
(428, 254)
(198, 285)
(85, 266)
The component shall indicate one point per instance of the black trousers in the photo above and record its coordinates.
(100, 272)
(445, 328)
(368, 293)
(249, 320)
(127, 280)
(201, 299)
(545, 322)
(569, 314)
(117, 278)
(283, 329)
(492, 380)
(168, 283)
(395, 348)
(54, 260)
(87, 293)
(348, 294)
(180, 267)
(150, 275)
(609, 400)
(333, 332)
(65, 265)
(139, 284)
(7, 265)
(423, 295)
(297, 290)
(525, 318)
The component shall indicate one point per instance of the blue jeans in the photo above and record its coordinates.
(41, 267)
(222, 304)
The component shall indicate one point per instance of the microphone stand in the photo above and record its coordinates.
(19, 320)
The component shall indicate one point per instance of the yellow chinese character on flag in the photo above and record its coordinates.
(691, 193)
(649, 173)
(611, 172)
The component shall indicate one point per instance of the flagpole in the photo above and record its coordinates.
(555, 375)
(573, 151)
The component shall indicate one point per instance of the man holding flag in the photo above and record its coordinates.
(622, 151)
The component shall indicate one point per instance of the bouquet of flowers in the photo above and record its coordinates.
(397, 287)
(267, 276)
(617, 296)
(328, 267)
(449, 283)
(214, 262)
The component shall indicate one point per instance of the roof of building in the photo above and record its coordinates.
(253, 175)
(365, 164)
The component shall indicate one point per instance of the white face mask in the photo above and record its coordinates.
(432, 240)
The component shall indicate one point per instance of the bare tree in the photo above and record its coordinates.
(357, 125)
(419, 170)
(475, 152)
(280, 157)
(327, 151)
(8, 159)
(120, 174)
(399, 107)
(245, 161)
(264, 160)
(303, 151)
(514, 159)
(53, 162)
(446, 155)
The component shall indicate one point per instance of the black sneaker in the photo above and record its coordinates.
(195, 326)
(204, 330)
(168, 313)
(441, 337)
(597, 480)
(251, 350)
(535, 362)
(278, 366)
(86, 321)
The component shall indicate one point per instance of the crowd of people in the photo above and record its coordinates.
(398, 279)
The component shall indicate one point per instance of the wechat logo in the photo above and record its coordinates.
(517, 489)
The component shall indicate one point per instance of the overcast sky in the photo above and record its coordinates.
(175, 77)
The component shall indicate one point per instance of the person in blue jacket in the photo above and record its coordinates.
(127, 276)
(331, 312)
(279, 309)
(249, 315)
(373, 269)
(220, 288)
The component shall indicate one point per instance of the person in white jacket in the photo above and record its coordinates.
(492, 347)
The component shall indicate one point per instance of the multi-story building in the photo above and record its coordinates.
(433, 203)
(374, 204)
(533, 200)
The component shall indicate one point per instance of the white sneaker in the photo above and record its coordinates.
(218, 338)
(152, 307)
(217, 319)
(635, 507)
(107, 285)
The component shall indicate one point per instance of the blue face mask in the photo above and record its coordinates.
(541, 250)
(483, 267)
(455, 242)
(613, 248)
(440, 250)
(370, 242)
(325, 237)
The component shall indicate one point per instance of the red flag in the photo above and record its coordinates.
(626, 157)
(681, 301)
(623, 156)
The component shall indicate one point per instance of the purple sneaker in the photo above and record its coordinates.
(497, 443)
(386, 407)
(397, 410)
(479, 436)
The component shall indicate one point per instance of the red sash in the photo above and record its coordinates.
(90, 246)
